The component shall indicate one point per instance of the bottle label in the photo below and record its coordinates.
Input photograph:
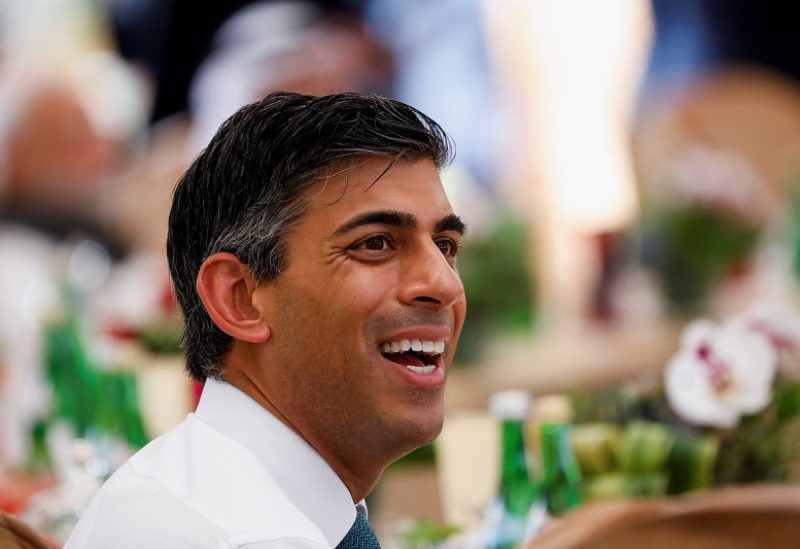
(503, 529)
(537, 518)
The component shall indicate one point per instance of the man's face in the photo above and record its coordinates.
(371, 270)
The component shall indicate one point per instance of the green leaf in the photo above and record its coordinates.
(787, 401)
(426, 533)
(645, 447)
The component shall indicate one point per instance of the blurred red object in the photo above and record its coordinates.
(197, 390)
(17, 488)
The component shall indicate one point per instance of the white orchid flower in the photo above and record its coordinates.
(720, 373)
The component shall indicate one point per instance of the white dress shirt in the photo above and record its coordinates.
(230, 475)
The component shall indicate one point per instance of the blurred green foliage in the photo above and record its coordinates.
(762, 447)
(692, 248)
(628, 443)
(90, 398)
(427, 534)
(495, 271)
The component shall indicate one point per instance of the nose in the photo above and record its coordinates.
(429, 280)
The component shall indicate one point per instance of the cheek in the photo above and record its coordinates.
(361, 292)
(332, 311)
(460, 313)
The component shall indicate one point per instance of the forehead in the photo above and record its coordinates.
(410, 186)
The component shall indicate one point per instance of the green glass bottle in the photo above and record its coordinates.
(134, 432)
(562, 477)
(518, 511)
(563, 485)
(73, 378)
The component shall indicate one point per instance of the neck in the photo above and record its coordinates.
(359, 469)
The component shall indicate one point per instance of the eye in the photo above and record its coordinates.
(375, 243)
(448, 246)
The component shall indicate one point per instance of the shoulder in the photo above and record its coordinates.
(194, 487)
(134, 511)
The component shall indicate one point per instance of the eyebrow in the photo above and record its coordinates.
(403, 220)
(451, 223)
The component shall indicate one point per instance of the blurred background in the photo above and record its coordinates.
(624, 166)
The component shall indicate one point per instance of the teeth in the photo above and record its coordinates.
(422, 369)
(416, 345)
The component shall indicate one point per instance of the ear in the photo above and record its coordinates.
(227, 288)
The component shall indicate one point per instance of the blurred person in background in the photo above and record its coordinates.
(205, 62)
(442, 62)
(268, 46)
(54, 164)
(208, 60)
(55, 161)
(69, 123)
(322, 310)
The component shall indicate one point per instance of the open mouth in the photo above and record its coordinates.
(420, 356)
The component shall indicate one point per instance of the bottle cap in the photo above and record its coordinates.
(554, 409)
(510, 404)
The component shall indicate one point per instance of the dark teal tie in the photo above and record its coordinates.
(360, 536)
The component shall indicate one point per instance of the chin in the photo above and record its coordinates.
(420, 431)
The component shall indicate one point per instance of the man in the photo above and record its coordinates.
(313, 252)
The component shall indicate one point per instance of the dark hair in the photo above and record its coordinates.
(247, 189)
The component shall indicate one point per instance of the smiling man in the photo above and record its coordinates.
(313, 252)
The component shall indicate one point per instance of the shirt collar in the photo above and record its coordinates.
(301, 473)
